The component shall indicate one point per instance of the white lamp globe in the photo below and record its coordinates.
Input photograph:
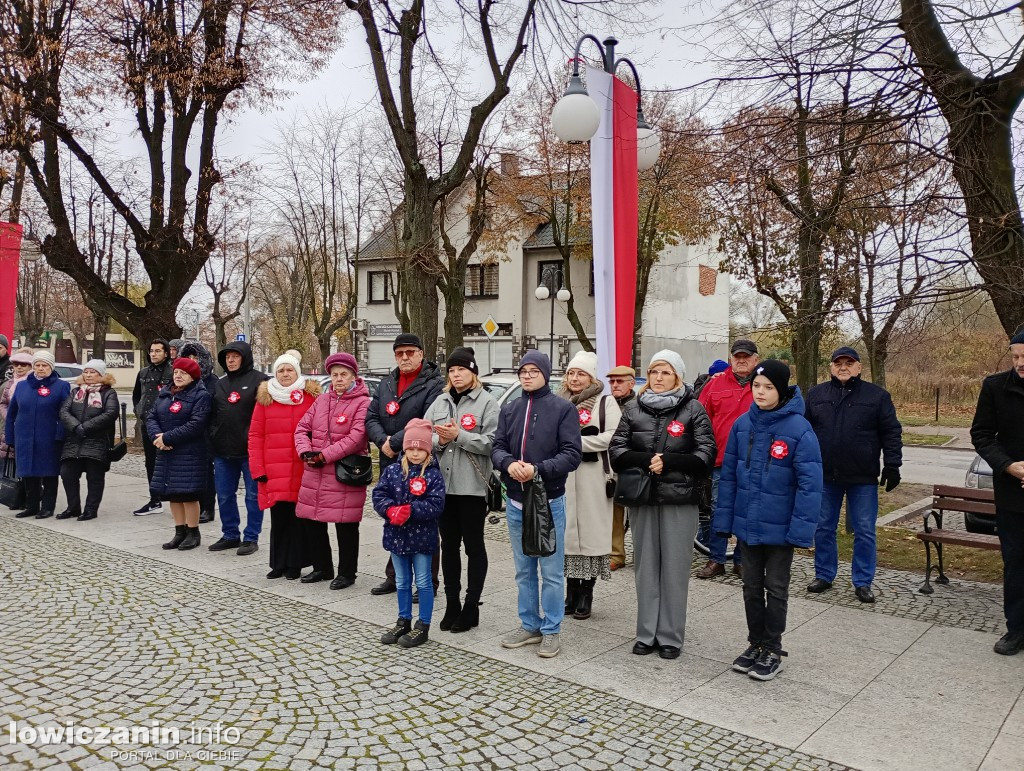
(648, 148)
(563, 295)
(541, 293)
(575, 118)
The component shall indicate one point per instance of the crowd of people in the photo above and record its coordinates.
(742, 454)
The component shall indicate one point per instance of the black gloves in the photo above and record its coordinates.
(262, 479)
(80, 431)
(890, 478)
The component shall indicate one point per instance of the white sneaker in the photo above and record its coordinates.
(549, 648)
(521, 637)
(153, 507)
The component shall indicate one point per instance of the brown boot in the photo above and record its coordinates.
(711, 569)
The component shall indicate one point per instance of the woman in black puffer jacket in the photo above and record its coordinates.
(665, 432)
(88, 416)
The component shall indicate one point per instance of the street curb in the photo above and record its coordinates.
(906, 511)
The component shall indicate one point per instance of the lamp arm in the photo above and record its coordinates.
(636, 76)
(579, 45)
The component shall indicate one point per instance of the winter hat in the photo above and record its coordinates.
(407, 338)
(539, 360)
(22, 356)
(463, 357)
(287, 358)
(175, 343)
(295, 353)
(419, 435)
(1017, 339)
(346, 360)
(44, 356)
(673, 359)
(846, 351)
(188, 366)
(98, 365)
(778, 373)
(718, 366)
(585, 361)
(4, 341)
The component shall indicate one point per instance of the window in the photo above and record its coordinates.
(380, 288)
(554, 279)
(482, 281)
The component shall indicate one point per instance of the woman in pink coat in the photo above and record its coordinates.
(334, 428)
(274, 463)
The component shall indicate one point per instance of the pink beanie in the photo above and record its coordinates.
(346, 360)
(419, 435)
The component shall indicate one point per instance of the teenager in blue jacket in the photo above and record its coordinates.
(410, 497)
(769, 497)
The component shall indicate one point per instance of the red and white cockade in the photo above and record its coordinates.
(585, 416)
(468, 422)
(417, 485)
(392, 408)
(175, 407)
(675, 428)
(779, 449)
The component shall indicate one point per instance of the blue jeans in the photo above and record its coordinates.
(716, 544)
(550, 594)
(225, 475)
(861, 513)
(405, 566)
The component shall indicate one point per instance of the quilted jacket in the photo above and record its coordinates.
(424, 491)
(182, 418)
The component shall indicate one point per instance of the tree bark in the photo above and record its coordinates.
(100, 328)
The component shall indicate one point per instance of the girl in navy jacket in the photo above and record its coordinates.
(410, 497)
(769, 496)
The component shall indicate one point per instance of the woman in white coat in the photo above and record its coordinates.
(588, 509)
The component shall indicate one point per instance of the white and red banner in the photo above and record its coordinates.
(614, 215)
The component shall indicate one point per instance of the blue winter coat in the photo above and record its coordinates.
(33, 425)
(419, 533)
(769, 493)
(181, 470)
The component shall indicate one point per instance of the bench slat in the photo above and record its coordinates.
(961, 538)
(968, 493)
(975, 507)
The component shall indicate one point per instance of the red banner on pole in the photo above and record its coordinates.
(10, 259)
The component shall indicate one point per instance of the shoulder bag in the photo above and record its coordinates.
(609, 480)
(12, 490)
(120, 448)
(355, 470)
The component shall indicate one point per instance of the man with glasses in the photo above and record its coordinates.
(725, 397)
(148, 383)
(538, 435)
(621, 381)
(855, 422)
(404, 394)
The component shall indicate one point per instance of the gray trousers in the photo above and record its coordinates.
(662, 554)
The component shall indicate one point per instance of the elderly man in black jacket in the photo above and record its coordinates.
(998, 436)
(403, 395)
(855, 422)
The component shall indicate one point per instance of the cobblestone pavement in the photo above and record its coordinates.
(106, 638)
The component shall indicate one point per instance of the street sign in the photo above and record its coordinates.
(240, 338)
(490, 327)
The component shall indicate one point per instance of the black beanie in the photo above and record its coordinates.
(407, 338)
(778, 373)
(1017, 339)
(463, 357)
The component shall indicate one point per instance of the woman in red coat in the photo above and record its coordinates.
(275, 464)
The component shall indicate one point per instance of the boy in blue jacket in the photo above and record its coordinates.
(769, 496)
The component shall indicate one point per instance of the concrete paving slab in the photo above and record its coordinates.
(846, 668)
(848, 626)
(1014, 723)
(1007, 754)
(578, 644)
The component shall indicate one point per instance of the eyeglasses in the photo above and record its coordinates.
(529, 373)
(660, 373)
(405, 354)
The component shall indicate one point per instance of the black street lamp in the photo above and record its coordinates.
(549, 276)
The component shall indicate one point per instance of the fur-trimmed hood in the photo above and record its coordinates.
(204, 357)
(108, 380)
(263, 392)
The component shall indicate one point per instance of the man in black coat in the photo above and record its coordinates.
(998, 435)
(148, 383)
(855, 422)
(234, 400)
(403, 395)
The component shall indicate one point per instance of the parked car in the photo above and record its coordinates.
(979, 477)
(68, 372)
(371, 382)
(504, 386)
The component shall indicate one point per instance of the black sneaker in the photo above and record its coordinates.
(1010, 644)
(768, 664)
(153, 507)
(392, 636)
(224, 544)
(746, 660)
(247, 548)
(416, 636)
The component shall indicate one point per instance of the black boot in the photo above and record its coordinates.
(469, 617)
(205, 516)
(191, 541)
(572, 594)
(585, 600)
(415, 636)
(401, 627)
(451, 612)
(179, 536)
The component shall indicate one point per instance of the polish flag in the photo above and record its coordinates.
(614, 191)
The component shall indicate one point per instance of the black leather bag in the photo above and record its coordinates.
(538, 524)
(12, 491)
(495, 499)
(120, 448)
(354, 470)
(633, 487)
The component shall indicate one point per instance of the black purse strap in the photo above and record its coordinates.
(600, 425)
(124, 421)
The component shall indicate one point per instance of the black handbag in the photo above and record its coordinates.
(633, 487)
(120, 448)
(538, 524)
(12, 490)
(354, 470)
(495, 499)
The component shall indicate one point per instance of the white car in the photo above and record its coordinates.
(68, 372)
(504, 385)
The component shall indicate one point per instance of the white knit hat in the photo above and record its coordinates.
(97, 365)
(287, 358)
(44, 356)
(585, 361)
(673, 359)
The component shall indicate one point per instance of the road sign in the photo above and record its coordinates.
(490, 327)
(240, 338)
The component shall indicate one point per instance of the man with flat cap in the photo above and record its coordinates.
(998, 435)
(855, 422)
(403, 395)
(621, 380)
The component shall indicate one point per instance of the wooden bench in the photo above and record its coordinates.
(944, 499)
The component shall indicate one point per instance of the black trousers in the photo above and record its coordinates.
(95, 471)
(287, 550)
(150, 451)
(766, 572)
(40, 493)
(318, 545)
(208, 498)
(1010, 525)
(462, 522)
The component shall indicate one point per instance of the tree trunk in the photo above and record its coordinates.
(324, 344)
(100, 328)
(805, 343)
(419, 282)
(454, 312)
(220, 336)
(878, 352)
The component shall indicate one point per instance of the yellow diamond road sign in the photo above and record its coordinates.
(490, 326)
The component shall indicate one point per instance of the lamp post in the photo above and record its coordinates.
(576, 117)
(550, 275)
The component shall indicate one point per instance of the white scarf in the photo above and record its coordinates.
(283, 394)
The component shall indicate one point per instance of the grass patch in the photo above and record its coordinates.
(902, 496)
(913, 417)
(928, 440)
